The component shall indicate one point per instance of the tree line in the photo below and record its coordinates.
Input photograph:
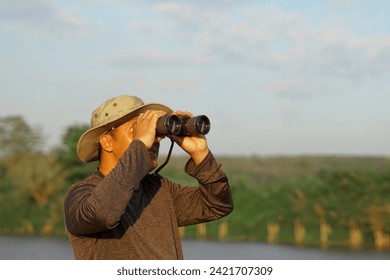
(33, 180)
(326, 201)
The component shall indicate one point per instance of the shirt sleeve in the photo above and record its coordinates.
(211, 200)
(96, 205)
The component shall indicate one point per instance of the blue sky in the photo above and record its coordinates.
(274, 77)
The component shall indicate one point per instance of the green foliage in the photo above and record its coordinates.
(31, 181)
(67, 156)
(343, 192)
(17, 137)
(38, 176)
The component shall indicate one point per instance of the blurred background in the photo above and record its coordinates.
(297, 93)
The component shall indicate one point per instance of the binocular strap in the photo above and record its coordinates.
(167, 159)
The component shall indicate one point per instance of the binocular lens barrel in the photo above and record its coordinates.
(183, 126)
(199, 125)
(168, 125)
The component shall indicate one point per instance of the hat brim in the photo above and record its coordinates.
(87, 147)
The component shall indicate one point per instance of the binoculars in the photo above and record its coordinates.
(183, 125)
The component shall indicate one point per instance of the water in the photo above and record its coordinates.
(49, 248)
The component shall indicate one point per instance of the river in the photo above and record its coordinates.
(51, 248)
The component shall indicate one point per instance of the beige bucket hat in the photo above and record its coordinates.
(113, 112)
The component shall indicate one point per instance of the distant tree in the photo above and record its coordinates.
(17, 137)
(66, 153)
(38, 176)
(23, 163)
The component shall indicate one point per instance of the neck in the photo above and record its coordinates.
(107, 163)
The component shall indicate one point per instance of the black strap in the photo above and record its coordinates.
(167, 159)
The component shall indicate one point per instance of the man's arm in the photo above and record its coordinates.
(92, 207)
(211, 200)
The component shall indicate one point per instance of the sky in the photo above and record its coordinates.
(274, 77)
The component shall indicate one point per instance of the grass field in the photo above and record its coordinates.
(320, 201)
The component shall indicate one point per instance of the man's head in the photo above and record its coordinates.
(110, 121)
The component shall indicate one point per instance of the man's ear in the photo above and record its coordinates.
(106, 143)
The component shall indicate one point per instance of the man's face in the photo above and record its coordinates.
(123, 135)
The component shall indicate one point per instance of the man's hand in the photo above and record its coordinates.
(144, 128)
(195, 146)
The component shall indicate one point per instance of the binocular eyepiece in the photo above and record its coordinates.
(183, 125)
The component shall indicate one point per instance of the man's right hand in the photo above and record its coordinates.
(144, 128)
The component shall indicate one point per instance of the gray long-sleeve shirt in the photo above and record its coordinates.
(130, 214)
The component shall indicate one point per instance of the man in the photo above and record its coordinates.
(122, 211)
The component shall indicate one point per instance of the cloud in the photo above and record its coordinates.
(104, 2)
(322, 57)
(303, 87)
(152, 58)
(178, 84)
(41, 18)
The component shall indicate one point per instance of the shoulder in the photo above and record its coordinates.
(89, 182)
